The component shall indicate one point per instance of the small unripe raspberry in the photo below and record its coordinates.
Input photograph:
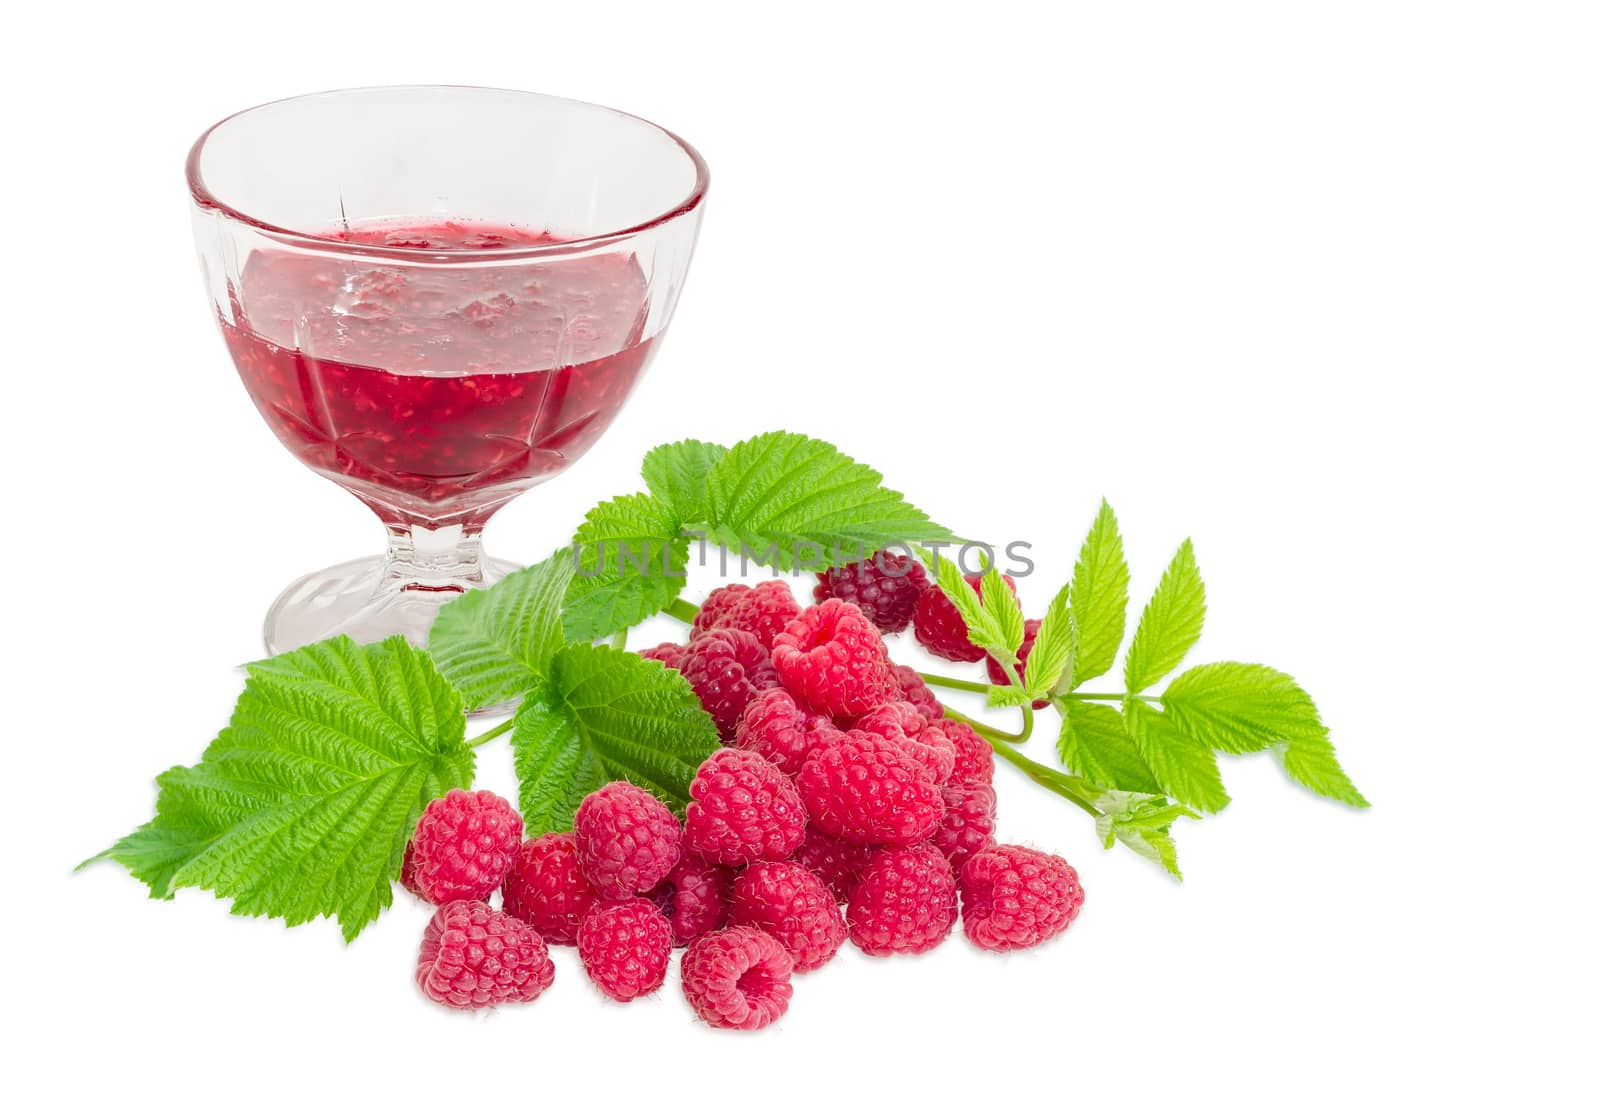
(627, 840)
(885, 586)
(737, 979)
(625, 946)
(868, 789)
(833, 660)
(743, 810)
(475, 957)
(1014, 897)
(905, 902)
(762, 610)
(463, 847)
(546, 889)
(791, 904)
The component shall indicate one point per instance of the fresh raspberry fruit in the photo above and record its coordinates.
(726, 667)
(737, 979)
(463, 847)
(915, 690)
(885, 586)
(669, 654)
(833, 660)
(781, 731)
(838, 863)
(743, 809)
(763, 611)
(997, 676)
(474, 957)
(868, 789)
(968, 824)
(694, 897)
(791, 904)
(939, 625)
(974, 756)
(924, 741)
(905, 902)
(1014, 897)
(545, 888)
(625, 946)
(627, 840)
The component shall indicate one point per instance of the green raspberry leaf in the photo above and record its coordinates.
(1143, 824)
(1099, 598)
(303, 805)
(1008, 696)
(632, 561)
(983, 628)
(1311, 762)
(493, 644)
(1185, 768)
(1051, 661)
(784, 495)
(1001, 603)
(1095, 744)
(676, 473)
(1240, 708)
(606, 714)
(1171, 622)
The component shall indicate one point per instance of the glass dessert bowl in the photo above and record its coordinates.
(438, 297)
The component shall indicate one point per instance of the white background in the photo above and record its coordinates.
(1313, 284)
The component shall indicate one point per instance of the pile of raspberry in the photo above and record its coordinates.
(843, 806)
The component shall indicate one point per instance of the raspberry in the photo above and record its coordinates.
(1013, 897)
(885, 586)
(781, 731)
(833, 660)
(545, 888)
(791, 904)
(726, 667)
(940, 627)
(905, 903)
(737, 979)
(974, 756)
(694, 897)
(837, 862)
(625, 946)
(669, 654)
(867, 789)
(997, 676)
(915, 690)
(763, 611)
(474, 957)
(627, 840)
(968, 824)
(463, 847)
(743, 810)
(925, 742)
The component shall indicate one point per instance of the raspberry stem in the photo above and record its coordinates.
(994, 733)
(1075, 789)
(681, 609)
(493, 733)
(953, 683)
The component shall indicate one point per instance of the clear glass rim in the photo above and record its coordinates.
(205, 198)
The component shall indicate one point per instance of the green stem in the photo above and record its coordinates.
(493, 733)
(619, 641)
(982, 728)
(681, 609)
(1075, 789)
(954, 683)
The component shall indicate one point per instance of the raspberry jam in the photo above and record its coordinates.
(436, 393)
